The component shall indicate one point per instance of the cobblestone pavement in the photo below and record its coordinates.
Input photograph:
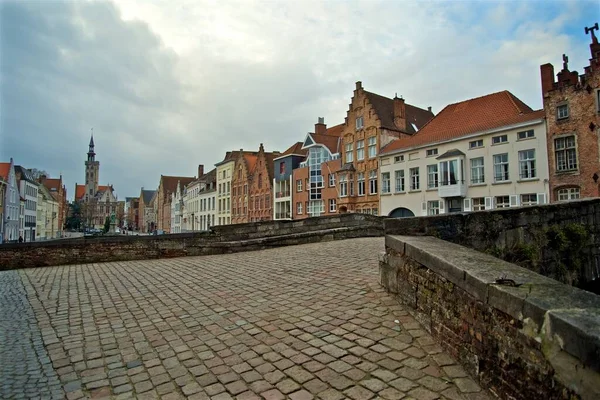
(298, 322)
(25, 368)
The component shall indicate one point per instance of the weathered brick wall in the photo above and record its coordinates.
(559, 240)
(223, 239)
(537, 340)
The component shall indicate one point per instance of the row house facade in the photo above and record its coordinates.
(372, 122)
(479, 154)
(283, 168)
(162, 205)
(314, 189)
(58, 190)
(146, 212)
(224, 174)
(177, 209)
(47, 214)
(28, 189)
(191, 206)
(207, 201)
(132, 208)
(10, 203)
(572, 110)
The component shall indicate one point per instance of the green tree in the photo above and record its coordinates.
(106, 225)
(74, 219)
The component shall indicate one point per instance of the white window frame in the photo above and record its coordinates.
(360, 183)
(360, 150)
(569, 159)
(478, 203)
(433, 207)
(360, 123)
(298, 185)
(385, 183)
(331, 180)
(399, 159)
(349, 152)
(415, 183)
(432, 176)
(501, 168)
(299, 208)
(477, 171)
(343, 185)
(332, 205)
(372, 141)
(566, 194)
(400, 183)
(500, 139)
(529, 199)
(373, 182)
(527, 164)
(562, 115)
(475, 144)
(431, 152)
(523, 135)
(503, 203)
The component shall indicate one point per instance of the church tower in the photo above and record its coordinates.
(92, 171)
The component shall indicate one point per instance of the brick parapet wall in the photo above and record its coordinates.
(221, 240)
(539, 339)
(506, 233)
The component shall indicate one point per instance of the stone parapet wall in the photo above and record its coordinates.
(560, 240)
(221, 240)
(522, 335)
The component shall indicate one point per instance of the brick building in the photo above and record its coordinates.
(58, 189)
(260, 205)
(166, 187)
(133, 216)
(372, 122)
(242, 173)
(572, 105)
(283, 168)
(146, 213)
(314, 188)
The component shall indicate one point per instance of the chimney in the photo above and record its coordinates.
(429, 108)
(359, 85)
(320, 126)
(399, 113)
(261, 148)
(547, 73)
(200, 170)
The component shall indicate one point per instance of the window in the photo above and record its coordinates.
(298, 185)
(399, 181)
(385, 179)
(360, 150)
(529, 199)
(527, 164)
(432, 176)
(414, 178)
(372, 146)
(568, 194)
(331, 180)
(475, 144)
(501, 167)
(359, 123)
(343, 185)
(565, 153)
(299, 208)
(562, 111)
(525, 134)
(373, 182)
(433, 207)
(398, 159)
(432, 152)
(449, 172)
(502, 201)
(349, 154)
(360, 178)
(477, 171)
(478, 203)
(282, 168)
(332, 205)
(499, 139)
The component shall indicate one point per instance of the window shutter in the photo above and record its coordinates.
(467, 205)
(514, 200)
(442, 206)
(541, 198)
(489, 204)
(424, 208)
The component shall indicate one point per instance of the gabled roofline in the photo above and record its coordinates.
(469, 136)
(287, 155)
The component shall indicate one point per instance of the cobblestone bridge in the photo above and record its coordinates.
(298, 322)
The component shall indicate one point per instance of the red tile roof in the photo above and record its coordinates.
(52, 183)
(296, 148)
(467, 117)
(79, 192)
(4, 168)
(330, 139)
(250, 161)
(170, 183)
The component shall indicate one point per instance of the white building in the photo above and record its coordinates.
(28, 188)
(479, 154)
(11, 203)
(224, 176)
(191, 205)
(177, 209)
(47, 215)
(207, 201)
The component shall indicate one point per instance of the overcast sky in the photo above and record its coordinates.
(171, 84)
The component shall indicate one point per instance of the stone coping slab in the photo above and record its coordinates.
(551, 311)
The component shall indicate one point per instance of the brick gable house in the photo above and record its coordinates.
(146, 214)
(58, 189)
(572, 105)
(242, 174)
(166, 187)
(372, 121)
(260, 206)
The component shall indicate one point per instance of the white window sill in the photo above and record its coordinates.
(527, 180)
(502, 182)
(477, 184)
(386, 194)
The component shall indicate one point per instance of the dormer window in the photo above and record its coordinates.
(359, 123)
(499, 139)
(562, 111)
(432, 152)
